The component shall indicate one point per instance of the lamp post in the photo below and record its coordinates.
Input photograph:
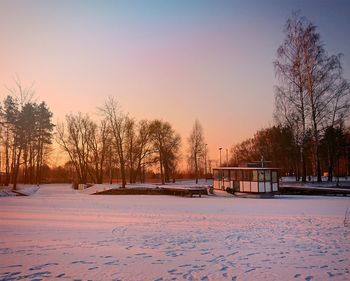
(205, 161)
(209, 166)
(226, 157)
(220, 148)
(110, 165)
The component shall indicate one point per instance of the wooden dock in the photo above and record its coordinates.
(313, 190)
(166, 190)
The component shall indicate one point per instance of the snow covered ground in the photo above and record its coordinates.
(60, 233)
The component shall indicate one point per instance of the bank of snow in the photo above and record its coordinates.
(61, 233)
(22, 189)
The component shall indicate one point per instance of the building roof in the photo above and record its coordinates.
(245, 168)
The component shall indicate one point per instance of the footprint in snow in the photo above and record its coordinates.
(249, 270)
(39, 267)
(37, 274)
(11, 266)
(82, 262)
(223, 268)
(231, 254)
(9, 275)
(184, 265)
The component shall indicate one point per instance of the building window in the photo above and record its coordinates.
(255, 175)
(261, 176)
(247, 175)
(233, 175)
(274, 176)
(217, 174)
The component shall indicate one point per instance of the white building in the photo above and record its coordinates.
(241, 180)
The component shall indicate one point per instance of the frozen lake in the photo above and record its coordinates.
(59, 233)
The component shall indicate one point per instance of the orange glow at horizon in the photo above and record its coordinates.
(173, 61)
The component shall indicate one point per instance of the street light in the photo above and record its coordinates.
(205, 161)
(220, 156)
(226, 157)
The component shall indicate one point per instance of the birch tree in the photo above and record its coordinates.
(291, 95)
(166, 143)
(196, 146)
(118, 123)
(311, 86)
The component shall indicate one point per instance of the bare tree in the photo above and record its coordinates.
(196, 147)
(144, 148)
(323, 76)
(166, 143)
(99, 145)
(311, 85)
(291, 94)
(336, 113)
(118, 122)
(131, 151)
(21, 94)
(243, 152)
(75, 138)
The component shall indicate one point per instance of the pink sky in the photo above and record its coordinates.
(161, 60)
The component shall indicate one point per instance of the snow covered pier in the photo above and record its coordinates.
(176, 190)
(313, 190)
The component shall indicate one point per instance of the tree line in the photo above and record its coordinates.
(312, 103)
(276, 145)
(310, 134)
(25, 136)
(113, 146)
(119, 147)
(119, 142)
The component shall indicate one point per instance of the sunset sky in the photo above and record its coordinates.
(174, 60)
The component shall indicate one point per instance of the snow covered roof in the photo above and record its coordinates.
(244, 168)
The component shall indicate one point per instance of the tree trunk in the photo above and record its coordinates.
(330, 170)
(7, 160)
(161, 167)
(303, 165)
(318, 165)
(16, 169)
(196, 167)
